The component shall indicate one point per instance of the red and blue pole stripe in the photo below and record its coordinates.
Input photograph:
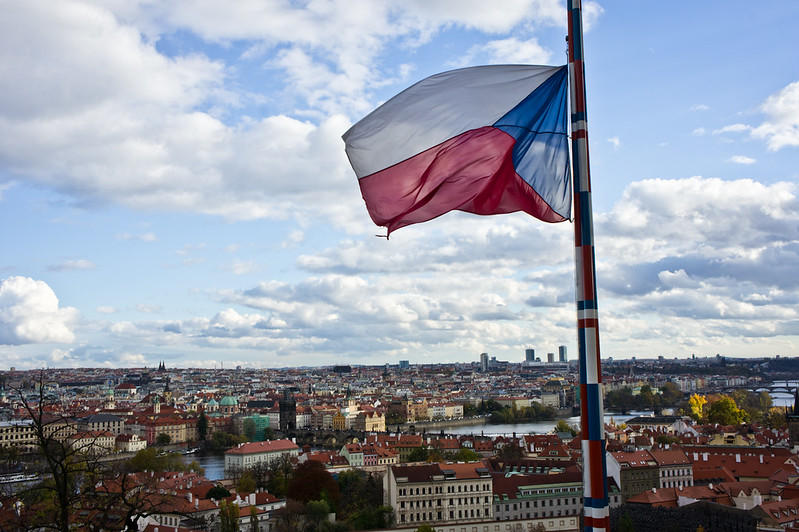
(595, 486)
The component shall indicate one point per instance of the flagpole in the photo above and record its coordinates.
(595, 487)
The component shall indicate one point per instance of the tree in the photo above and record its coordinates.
(626, 524)
(228, 517)
(163, 439)
(419, 454)
(696, 405)
(317, 512)
(246, 483)
(312, 482)
(466, 455)
(425, 528)
(670, 394)
(202, 426)
(253, 519)
(724, 412)
(218, 493)
(563, 426)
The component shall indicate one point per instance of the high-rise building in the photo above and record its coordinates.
(529, 355)
(288, 411)
(562, 357)
(550, 358)
(484, 361)
(404, 364)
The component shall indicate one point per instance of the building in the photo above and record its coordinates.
(370, 421)
(95, 422)
(354, 454)
(129, 443)
(438, 494)
(529, 355)
(562, 357)
(634, 472)
(246, 455)
(534, 496)
(18, 433)
(288, 411)
(484, 362)
(95, 443)
(550, 358)
(674, 468)
(404, 364)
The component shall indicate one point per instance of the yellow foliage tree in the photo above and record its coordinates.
(697, 405)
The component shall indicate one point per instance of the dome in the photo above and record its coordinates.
(213, 402)
(228, 400)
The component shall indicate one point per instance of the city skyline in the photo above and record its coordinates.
(173, 186)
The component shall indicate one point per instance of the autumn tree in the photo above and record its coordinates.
(696, 405)
(724, 411)
(312, 482)
(563, 426)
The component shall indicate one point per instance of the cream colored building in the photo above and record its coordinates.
(247, 455)
(438, 494)
(19, 434)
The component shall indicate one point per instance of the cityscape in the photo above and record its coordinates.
(345, 447)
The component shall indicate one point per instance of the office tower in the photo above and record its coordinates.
(550, 358)
(484, 361)
(562, 357)
(529, 355)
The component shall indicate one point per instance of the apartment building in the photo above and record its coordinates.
(248, 454)
(439, 494)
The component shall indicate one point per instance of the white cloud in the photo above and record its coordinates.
(294, 238)
(144, 237)
(615, 142)
(148, 308)
(781, 128)
(72, 264)
(742, 159)
(698, 132)
(242, 267)
(700, 107)
(29, 313)
(732, 128)
(105, 309)
(508, 51)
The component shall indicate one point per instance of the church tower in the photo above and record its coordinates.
(288, 411)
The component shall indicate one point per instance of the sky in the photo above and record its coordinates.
(173, 185)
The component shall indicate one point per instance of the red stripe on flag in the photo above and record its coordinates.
(586, 323)
(472, 172)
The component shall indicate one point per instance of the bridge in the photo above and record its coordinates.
(789, 387)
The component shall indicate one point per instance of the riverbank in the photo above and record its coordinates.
(442, 424)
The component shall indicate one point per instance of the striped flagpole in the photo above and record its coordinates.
(595, 486)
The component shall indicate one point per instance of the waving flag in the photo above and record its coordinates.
(485, 140)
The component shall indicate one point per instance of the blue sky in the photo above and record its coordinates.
(173, 185)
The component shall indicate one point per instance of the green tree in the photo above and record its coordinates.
(253, 519)
(246, 483)
(725, 412)
(563, 426)
(466, 455)
(626, 524)
(228, 517)
(419, 454)
(317, 512)
(425, 528)
(202, 426)
(671, 394)
(775, 418)
(162, 439)
(510, 452)
(218, 493)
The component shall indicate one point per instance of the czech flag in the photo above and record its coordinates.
(485, 140)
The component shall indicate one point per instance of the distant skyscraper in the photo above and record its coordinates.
(562, 357)
(529, 355)
(404, 364)
(550, 357)
(484, 361)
